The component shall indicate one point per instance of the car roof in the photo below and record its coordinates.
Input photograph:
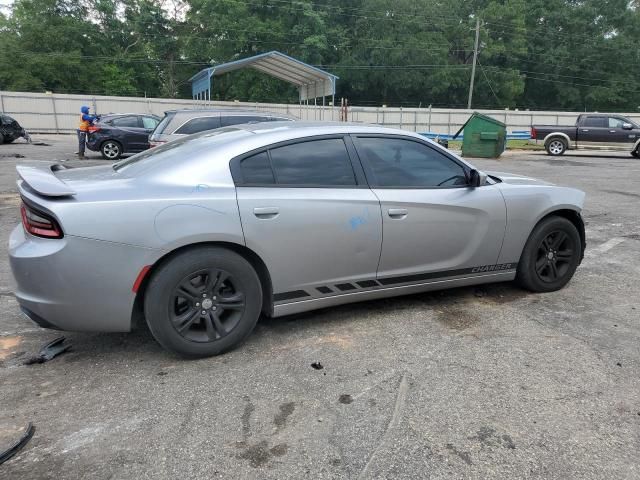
(304, 128)
(229, 110)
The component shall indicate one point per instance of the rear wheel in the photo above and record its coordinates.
(111, 150)
(551, 255)
(556, 146)
(203, 302)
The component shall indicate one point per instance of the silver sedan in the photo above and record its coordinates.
(204, 234)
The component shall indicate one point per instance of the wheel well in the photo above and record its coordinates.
(556, 136)
(575, 218)
(248, 254)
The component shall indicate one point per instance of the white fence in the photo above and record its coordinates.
(58, 113)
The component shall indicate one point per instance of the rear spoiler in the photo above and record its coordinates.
(44, 181)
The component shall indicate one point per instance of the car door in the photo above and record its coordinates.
(433, 224)
(130, 133)
(593, 132)
(307, 212)
(619, 137)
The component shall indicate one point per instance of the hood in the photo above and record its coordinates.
(514, 179)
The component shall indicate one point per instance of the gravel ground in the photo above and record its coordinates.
(489, 382)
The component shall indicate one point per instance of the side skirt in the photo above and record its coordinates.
(305, 305)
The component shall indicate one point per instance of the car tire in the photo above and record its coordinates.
(550, 256)
(556, 146)
(111, 150)
(636, 153)
(1, 139)
(9, 140)
(203, 302)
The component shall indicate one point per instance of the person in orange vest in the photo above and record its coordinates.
(86, 121)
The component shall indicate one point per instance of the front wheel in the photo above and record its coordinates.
(556, 146)
(550, 256)
(203, 302)
(111, 150)
(636, 152)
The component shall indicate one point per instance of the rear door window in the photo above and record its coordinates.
(128, 121)
(318, 162)
(238, 119)
(256, 170)
(595, 122)
(199, 124)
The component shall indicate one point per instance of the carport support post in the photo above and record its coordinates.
(429, 126)
(1, 103)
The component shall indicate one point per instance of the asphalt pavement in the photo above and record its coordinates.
(487, 382)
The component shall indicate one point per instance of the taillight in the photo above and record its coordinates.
(38, 223)
(94, 129)
(156, 143)
(534, 134)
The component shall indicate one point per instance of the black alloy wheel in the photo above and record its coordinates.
(550, 256)
(206, 305)
(555, 254)
(203, 301)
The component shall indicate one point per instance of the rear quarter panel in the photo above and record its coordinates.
(526, 206)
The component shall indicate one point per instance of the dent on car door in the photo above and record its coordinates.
(434, 226)
(309, 215)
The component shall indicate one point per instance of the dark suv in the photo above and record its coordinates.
(115, 134)
(10, 129)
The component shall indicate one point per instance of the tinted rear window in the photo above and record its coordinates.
(200, 124)
(318, 162)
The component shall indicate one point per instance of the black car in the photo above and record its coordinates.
(116, 134)
(10, 129)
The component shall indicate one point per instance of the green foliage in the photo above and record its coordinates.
(534, 53)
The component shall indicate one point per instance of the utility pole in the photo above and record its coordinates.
(475, 58)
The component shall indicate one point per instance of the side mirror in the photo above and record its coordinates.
(627, 126)
(476, 178)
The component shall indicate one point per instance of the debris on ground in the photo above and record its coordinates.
(12, 155)
(317, 365)
(345, 398)
(16, 447)
(41, 144)
(49, 351)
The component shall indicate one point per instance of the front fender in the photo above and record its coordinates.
(526, 206)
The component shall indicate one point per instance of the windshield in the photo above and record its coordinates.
(181, 148)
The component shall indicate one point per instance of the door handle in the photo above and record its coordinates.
(398, 213)
(612, 131)
(266, 212)
(585, 130)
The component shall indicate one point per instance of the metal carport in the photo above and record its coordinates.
(312, 82)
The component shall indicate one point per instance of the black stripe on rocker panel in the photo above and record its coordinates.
(448, 273)
(277, 297)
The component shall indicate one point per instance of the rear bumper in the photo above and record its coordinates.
(94, 141)
(76, 283)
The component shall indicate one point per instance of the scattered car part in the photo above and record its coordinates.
(49, 351)
(19, 445)
(10, 129)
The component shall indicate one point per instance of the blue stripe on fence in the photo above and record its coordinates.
(514, 135)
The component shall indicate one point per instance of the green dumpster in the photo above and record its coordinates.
(483, 137)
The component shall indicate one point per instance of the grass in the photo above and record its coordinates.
(511, 145)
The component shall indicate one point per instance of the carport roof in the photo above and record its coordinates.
(311, 81)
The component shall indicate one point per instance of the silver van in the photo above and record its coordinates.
(177, 123)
